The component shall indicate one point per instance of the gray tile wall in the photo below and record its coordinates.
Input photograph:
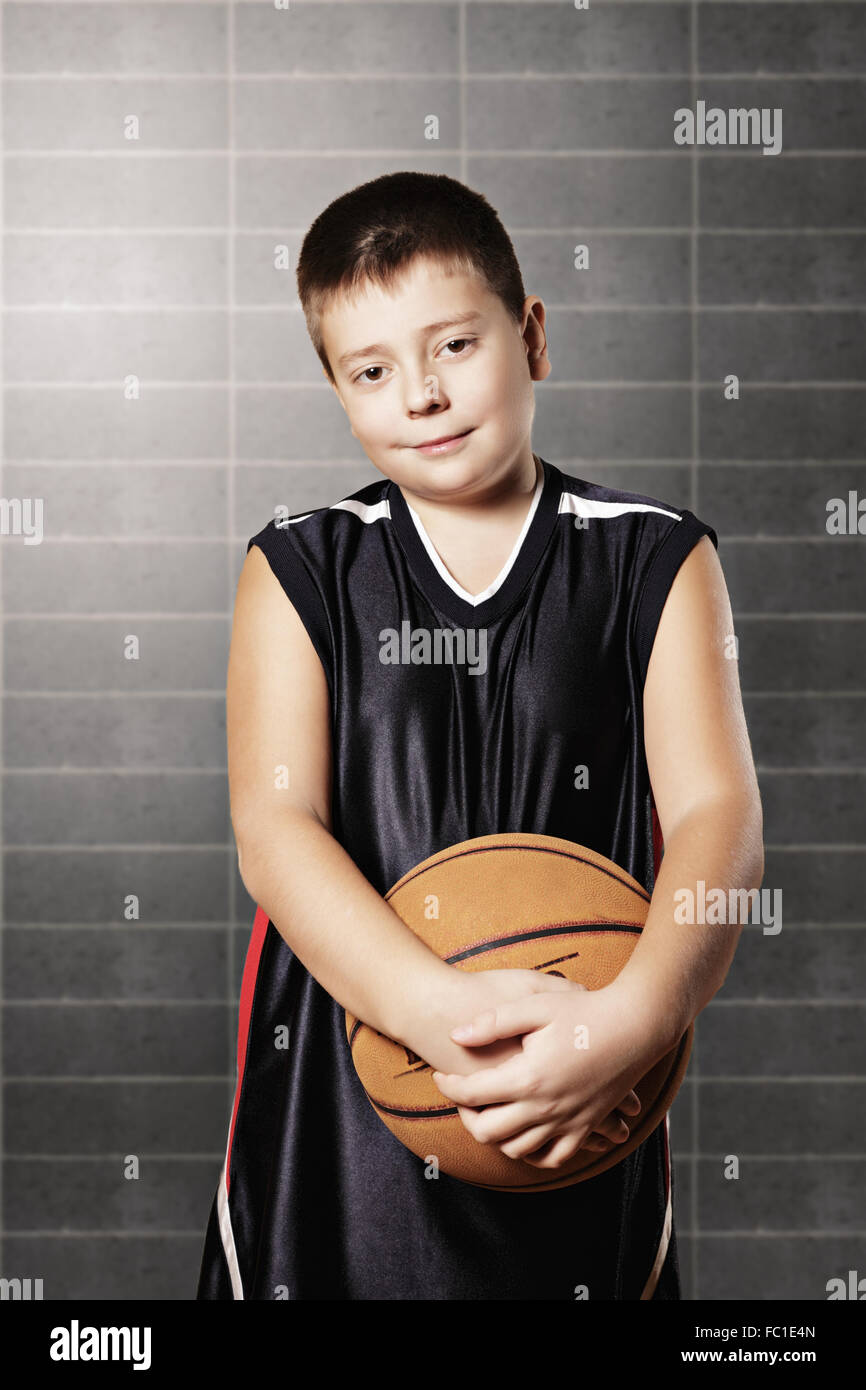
(154, 258)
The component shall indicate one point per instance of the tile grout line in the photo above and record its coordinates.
(566, 229)
(159, 1156)
(2, 632)
(230, 516)
(149, 1233)
(162, 1078)
(461, 81)
(285, 77)
(695, 420)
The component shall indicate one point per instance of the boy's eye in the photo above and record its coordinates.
(458, 340)
(373, 381)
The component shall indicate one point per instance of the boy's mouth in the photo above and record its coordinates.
(443, 443)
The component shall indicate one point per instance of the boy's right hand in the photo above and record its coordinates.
(471, 992)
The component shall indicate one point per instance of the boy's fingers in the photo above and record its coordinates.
(487, 1086)
(612, 1127)
(505, 1021)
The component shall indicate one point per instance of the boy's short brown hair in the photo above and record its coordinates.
(372, 232)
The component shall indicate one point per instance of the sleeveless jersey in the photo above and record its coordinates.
(316, 1198)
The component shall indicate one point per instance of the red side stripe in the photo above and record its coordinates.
(248, 988)
(658, 843)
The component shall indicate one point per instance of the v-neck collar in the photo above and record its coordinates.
(443, 593)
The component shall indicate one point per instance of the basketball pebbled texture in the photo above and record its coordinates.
(511, 901)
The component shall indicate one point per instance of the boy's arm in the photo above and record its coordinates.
(330, 915)
(278, 715)
(705, 791)
(706, 795)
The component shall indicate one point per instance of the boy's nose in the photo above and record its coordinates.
(422, 392)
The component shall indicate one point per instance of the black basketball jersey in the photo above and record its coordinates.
(452, 716)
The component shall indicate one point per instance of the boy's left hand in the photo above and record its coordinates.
(582, 1052)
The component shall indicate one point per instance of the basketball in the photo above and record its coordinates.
(511, 901)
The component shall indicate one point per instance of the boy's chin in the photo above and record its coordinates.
(435, 475)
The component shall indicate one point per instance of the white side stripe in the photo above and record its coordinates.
(586, 506)
(664, 1239)
(227, 1234)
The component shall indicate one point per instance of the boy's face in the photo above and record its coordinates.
(423, 383)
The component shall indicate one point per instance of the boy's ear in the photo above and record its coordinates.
(535, 339)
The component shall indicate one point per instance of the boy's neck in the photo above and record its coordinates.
(512, 497)
(475, 542)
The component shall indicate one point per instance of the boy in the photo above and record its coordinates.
(604, 690)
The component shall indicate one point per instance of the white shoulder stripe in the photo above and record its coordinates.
(569, 502)
(363, 509)
(586, 506)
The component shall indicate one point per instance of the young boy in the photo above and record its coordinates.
(604, 693)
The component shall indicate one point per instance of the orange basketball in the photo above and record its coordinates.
(511, 901)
